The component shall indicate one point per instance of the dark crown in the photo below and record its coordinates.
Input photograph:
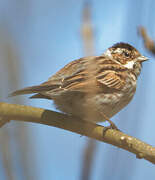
(123, 45)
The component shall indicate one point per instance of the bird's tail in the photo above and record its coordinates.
(33, 89)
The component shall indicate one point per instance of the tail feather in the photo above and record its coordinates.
(40, 96)
(34, 89)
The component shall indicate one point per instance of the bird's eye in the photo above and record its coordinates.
(126, 54)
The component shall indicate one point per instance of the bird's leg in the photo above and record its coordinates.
(112, 125)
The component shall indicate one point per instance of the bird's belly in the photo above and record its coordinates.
(95, 107)
(109, 105)
(101, 105)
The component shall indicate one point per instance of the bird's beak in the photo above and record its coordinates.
(142, 58)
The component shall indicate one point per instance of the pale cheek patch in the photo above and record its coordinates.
(129, 64)
(108, 53)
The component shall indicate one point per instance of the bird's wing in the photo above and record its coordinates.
(90, 75)
(67, 75)
(82, 75)
(111, 79)
(102, 71)
(73, 76)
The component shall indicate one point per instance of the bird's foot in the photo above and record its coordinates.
(111, 126)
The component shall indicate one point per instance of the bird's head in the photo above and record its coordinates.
(127, 56)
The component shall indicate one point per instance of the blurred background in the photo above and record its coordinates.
(37, 38)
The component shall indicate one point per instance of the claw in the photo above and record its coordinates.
(111, 126)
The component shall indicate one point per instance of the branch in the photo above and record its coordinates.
(51, 118)
(148, 42)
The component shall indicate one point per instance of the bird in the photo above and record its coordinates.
(93, 88)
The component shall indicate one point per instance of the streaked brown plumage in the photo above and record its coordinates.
(92, 87)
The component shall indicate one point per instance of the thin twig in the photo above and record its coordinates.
(51, 118)
(89, 49)
(148, 42)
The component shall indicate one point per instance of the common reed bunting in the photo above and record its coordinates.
(93, 88)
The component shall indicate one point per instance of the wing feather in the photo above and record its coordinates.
(112, 80)
(77, 76)
(35, 89)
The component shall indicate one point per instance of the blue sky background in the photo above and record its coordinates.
(46, 35)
